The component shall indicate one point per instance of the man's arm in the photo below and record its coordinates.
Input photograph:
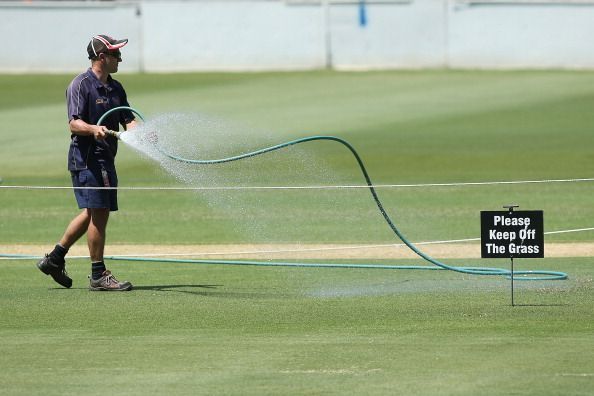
(79, 127)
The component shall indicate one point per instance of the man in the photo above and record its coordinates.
(91, 161)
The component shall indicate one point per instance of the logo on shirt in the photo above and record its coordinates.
(100, 101)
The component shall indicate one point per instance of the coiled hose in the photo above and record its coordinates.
(521, 275)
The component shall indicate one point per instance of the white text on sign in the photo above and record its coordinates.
(511, 221)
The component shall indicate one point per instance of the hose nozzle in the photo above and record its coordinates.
(115, 134)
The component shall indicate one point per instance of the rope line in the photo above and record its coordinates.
(304, 250)
(312, 187)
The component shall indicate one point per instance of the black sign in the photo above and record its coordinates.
(517, 234)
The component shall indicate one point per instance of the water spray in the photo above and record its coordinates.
(521, 275)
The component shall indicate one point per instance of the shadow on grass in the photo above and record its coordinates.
(155, 288)
(188, 289)
(198, 290)
(165, 287)
(542, 305)
(211, 291)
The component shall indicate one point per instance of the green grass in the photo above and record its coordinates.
(190, 329)
(409, 127)
(244, 330)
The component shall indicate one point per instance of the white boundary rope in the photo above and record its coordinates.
(355, 247)
(329, 187)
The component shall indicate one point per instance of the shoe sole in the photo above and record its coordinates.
(127, 288)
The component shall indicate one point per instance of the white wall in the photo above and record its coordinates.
(201, 35)
(51, 37)
(399, 35)
(554, 35)
(232, 35)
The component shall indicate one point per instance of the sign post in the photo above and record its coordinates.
(509, 234)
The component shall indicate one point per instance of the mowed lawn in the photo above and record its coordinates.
(408, 127)
(207, 329)
(250, 331)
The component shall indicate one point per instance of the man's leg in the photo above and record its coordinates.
(101, 278)
(96, 233)
(76, 229)
(96, 240)
(54, 263)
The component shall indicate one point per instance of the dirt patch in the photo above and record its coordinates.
(294, 251)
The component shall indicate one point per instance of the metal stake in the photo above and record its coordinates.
(512, 280)
(511, 257)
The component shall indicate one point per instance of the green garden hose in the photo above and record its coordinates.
(522, 275)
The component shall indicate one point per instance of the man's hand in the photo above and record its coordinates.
(98, 132)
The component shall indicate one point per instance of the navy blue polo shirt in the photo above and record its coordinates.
(88, 99)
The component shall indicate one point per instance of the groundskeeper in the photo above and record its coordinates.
(91, 161)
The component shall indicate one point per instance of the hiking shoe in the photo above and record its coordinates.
(57, 270)
(108, 282)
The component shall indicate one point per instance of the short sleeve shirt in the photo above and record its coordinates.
(88, 99)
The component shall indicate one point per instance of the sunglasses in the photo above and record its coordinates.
(115, 54)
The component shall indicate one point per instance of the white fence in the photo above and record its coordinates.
(207, 35)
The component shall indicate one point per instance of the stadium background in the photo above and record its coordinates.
(302, 34)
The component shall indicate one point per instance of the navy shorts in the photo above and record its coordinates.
(95, 199)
